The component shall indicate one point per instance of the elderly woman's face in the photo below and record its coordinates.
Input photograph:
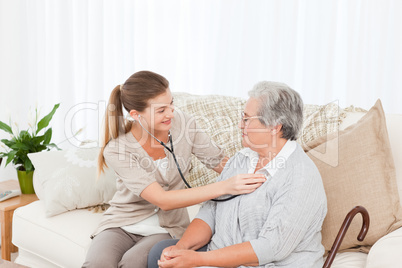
(254, 134)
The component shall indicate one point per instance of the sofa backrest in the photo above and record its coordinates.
(394, 127)
(219, 116)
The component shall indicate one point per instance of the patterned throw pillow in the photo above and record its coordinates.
(320, 120)
(67, 179)
(219, 117)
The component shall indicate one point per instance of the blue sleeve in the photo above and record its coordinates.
(207, 214)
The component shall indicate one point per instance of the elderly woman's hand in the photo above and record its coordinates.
(165, 254)
(178, 258)
(243, 183)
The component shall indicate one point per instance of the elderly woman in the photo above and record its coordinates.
(279, 224)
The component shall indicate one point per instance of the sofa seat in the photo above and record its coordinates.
(350, 260)
(61, 236)
(70, 234)
(52, 239)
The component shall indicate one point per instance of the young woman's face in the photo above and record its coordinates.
(158, 114)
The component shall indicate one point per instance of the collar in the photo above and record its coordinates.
(275, 164)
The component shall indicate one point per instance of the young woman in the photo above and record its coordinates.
(149, 205)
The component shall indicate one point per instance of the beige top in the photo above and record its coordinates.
(136, 170)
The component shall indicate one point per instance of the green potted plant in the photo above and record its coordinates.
(23, 142)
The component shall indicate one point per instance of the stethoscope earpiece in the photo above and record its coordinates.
(130, 118)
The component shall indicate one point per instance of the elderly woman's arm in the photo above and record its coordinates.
(197, 235)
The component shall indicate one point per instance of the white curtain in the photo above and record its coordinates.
(75, 51)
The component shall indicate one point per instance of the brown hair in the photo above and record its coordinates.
(134, 94)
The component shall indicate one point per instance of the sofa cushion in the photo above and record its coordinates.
(349, 260)
(357, 168)
(67, 180)
(394, 123)
(394, 127)
(320, 120)
(62, 240)
(386, 252)
(219, 117)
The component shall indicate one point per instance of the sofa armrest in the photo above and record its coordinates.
(386, 252)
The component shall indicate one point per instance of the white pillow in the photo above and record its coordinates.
(67, 180)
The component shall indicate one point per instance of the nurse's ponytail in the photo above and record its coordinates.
(114, 124)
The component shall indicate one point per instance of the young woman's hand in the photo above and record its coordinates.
(243, 183)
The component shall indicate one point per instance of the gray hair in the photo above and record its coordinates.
(279, 104)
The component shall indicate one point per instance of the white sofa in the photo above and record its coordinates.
(63, 240)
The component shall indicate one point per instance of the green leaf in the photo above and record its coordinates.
(8, 143)
(44, 122)
(24, 135)
(53, 145)
(48, 136)
(38, 139)
(28, 165)
(40, 148)
(6, 127)
(20, 146)
(10, 157)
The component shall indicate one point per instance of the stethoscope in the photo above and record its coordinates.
(171, 150)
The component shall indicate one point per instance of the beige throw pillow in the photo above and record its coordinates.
(357, 168)
(66, 180)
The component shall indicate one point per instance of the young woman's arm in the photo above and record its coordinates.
(167, 200)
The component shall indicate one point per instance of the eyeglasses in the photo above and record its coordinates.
(245, 119)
